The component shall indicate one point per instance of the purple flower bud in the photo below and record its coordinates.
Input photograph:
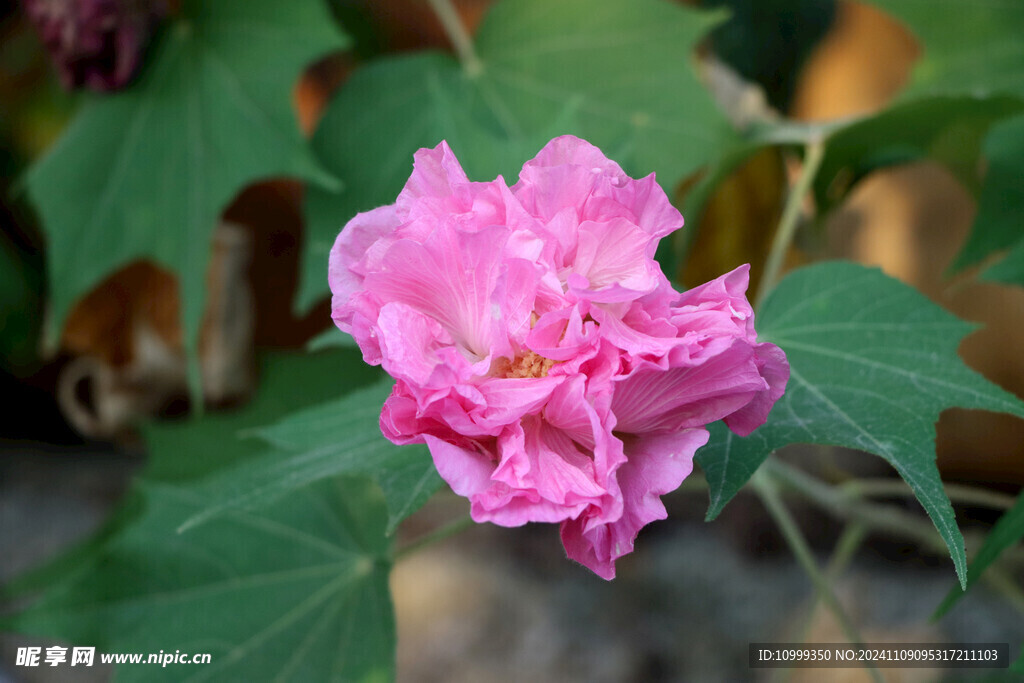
(96, 44)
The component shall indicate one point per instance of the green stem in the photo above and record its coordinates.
(789, 221)
(458, 35)
(844, 502)
(958, 493)
(439, 534)
(848, 543)
(881, 517)
(765, 488)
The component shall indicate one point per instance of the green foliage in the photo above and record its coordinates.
(20, 307)
(146, 173)
(947, 129)
(295, 591)
(180, 451)
(262, 535)
(326, 440)
(1006, 532)
(971, 50)
(873, 364)
(970, 46)
(998, 223)
(615, 73)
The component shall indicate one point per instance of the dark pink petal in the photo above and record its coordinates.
(690, 396)
(656, 465)
(774, 368)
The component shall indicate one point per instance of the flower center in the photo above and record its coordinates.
(529, 364)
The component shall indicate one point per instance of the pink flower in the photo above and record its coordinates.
(96, 44)
(537, 348)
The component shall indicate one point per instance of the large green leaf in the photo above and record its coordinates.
(1006, 532)
(873, 364)
(196, 446)
(146, 173)
(337, 437)
(295, 592)
(969, 45)
(615, 72)
(947, 129)
(998, 224)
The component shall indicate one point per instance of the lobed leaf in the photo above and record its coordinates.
(1006, 532)
(145, 173)
(616, 73)
(198, 446)
(873, 365)
(333, 438)
(296, 591)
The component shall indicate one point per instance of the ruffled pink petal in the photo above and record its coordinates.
(541, 463)
(616, 259)
(409, 342)
(656, 465)
(569, 150)
(451, 278)
(465, 469)
(436, 175)
(650, 206)
(683, 397)
(349, 249)
(774, 368)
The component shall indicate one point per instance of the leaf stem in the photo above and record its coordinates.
(958, 493)
(439, 534)
(815, 153)
(458, 35)
(766, 490)
(881, 517)
(853, 535)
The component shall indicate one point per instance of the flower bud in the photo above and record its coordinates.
(96, 44)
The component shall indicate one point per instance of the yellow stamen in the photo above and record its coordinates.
(528, 365)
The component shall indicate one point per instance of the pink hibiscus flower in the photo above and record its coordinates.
(537, 348)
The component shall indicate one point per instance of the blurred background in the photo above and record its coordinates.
(494, 604)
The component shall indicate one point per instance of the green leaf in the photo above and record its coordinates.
(1006, 532)
(146, 173)
(969, 45)
(297, 591)
(338, 437)
(1010, 270)
(1001, 206)
(873, 364)
(947, 129)
(616, 73)
(1018, 666)
(20, 306)
(197, 446)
